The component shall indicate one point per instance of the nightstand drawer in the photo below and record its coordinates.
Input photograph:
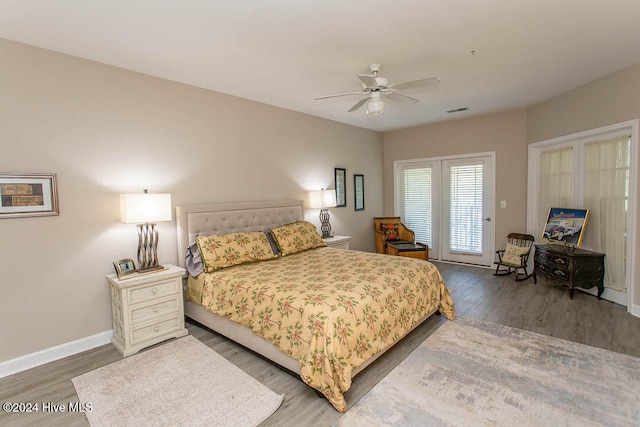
(144, 333)
(156, 308)
(344, 245)
(153, 290)
(338, 242)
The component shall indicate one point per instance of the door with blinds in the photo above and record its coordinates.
(449, 203)
(467, 202)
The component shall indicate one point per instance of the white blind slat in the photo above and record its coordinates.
(418, 212)
(466, 208)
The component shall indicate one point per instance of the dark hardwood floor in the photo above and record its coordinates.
(543, 308)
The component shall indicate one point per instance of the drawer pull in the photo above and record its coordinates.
(155, 309)
(154, 291)
(156, 329)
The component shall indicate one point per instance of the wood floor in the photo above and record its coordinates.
(543, 308)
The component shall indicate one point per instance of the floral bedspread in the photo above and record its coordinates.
(330, 309)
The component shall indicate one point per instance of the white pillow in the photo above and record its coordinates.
(512, 254)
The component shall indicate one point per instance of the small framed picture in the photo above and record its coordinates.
(358, 191)
(24, 195)
(124, 267)
(341, 189)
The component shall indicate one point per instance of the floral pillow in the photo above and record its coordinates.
(296, 237)
(226, 250)
(390, 231)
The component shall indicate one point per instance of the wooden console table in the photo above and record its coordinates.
(571, 266)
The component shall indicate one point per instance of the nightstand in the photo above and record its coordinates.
(340, 242)
(146, 309)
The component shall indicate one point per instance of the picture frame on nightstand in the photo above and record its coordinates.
(124, 267)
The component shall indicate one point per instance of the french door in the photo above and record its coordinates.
(448, 202)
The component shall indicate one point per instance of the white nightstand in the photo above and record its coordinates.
(340, 242)
(147, 309)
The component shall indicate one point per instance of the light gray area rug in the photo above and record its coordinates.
(471, 373)
(180, 383)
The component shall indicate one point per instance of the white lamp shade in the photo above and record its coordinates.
(322, 199)
(375, 105)
(144, 207)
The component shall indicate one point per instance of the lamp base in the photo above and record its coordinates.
(150, 269)
(324, 220)
(148, 248)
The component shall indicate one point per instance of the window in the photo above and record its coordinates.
(589, 170)
(418, 215)
(466, 208)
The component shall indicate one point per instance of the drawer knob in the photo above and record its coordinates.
(156, 329)
(154, 291)
(155, 309)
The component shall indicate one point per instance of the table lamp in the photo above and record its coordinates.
(145, 210)
(323, 200)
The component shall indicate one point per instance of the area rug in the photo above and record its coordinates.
(180, 383)
(471, 373)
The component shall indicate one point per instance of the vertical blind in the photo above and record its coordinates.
(418, 212)
(466, 208)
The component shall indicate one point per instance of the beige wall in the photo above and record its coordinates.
(612, 99)
(105, 131)
(502, 133)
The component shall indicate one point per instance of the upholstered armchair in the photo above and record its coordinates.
(391, 229)
(394, 238)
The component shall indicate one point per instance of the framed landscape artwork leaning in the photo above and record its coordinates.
(24, 195)
(566, 225)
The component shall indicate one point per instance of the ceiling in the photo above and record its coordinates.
(287, 52)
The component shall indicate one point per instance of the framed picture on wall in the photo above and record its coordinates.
(358, 191)
(23, 195)
(341, 188)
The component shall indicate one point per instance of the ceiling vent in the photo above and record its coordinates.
(457, 110)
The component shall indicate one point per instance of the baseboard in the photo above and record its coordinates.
(38, 358)
(635, 310)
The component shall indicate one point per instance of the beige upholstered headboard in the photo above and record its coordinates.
(222, 218)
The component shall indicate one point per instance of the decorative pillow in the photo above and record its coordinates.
(390, 231)
(193, 261)
(512, 253)
(272, 242)
(226, 250)
(296, 237)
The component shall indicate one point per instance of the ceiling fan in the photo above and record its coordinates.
(377, 88)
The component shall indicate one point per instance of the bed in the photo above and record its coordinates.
(323, 313)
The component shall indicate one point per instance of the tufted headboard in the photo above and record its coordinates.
(222, 218)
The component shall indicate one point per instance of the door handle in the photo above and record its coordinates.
(488, 218)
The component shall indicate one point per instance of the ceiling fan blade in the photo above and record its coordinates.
(368, 80)
(404, 99)
(337, 95)
(423, 83)
(358, 104)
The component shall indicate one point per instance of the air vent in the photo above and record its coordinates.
(457, 110)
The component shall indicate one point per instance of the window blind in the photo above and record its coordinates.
(466, 208)
(418, 212)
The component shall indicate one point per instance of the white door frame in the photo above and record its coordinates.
(633, 218)
(397, 185)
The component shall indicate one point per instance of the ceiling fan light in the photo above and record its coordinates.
(375, 106)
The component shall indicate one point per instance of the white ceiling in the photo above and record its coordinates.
(287, 52)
